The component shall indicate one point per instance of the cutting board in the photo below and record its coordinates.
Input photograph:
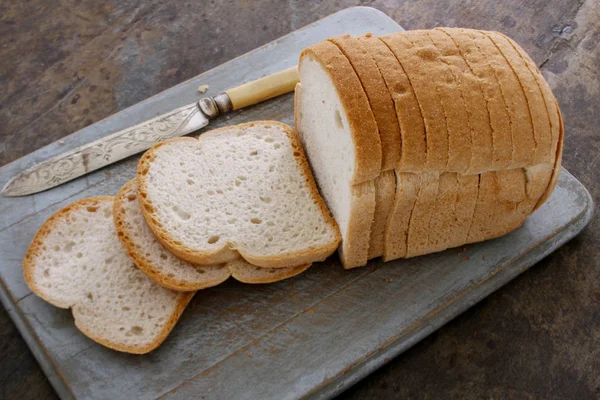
(310, 336)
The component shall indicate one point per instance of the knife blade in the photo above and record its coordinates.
(127, 142)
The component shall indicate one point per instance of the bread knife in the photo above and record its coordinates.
(127, 142)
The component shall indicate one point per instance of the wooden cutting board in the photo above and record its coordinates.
(310, 336)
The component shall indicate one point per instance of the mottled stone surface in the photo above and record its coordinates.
(66, 64)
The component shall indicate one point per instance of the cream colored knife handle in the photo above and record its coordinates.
(263, 88)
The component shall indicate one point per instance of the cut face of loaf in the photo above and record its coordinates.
(329, 139)
(169, 271)
(76, 261)
(244, 190)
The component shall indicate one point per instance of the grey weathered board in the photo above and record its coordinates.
(312, 335)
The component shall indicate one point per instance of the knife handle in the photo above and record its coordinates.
(250, 93)
(263, 88)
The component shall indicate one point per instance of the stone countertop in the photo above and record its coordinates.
(67, 64)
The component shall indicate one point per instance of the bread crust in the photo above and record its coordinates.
(418, 228)
(263, 275)
(523, 139)
(28, 266)
(444, 211)
(420, 65)
(533, 95)
(226, 253)
(464, 208)
(139, 258)
(358, 111)
(385, 191)
(354, 250)
(408, 112)
(557, 163)
(481, 138)
(500, 123)
(379, 98)
(396, 233)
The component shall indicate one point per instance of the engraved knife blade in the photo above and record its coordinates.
(105, 151)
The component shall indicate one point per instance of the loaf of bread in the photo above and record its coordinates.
(473, 144)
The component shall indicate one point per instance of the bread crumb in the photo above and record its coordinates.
(202, 88)
(388, 280)
(464, 258)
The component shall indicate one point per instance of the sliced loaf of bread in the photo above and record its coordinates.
(171, 272)
(76, 261)
(243, 190)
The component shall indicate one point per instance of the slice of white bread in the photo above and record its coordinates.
(76, 261)
(171, 272)
(338, 129)
(150, 256)
(248, 273)
(243, 190)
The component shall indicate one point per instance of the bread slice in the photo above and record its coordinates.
(521, 126)
(150, 256)
(76, 261)
(464, 209)
(500, 123)
(557, 164)
(412, 127)
(379, 98)
(396, 232)
(418, 228)
(420, 65)
(243, 190)
(385, 191)
(444, 213)
(169, 271)
(478, 118)
(537, 107)
(247, 273)
(323, 115)
(333, 99)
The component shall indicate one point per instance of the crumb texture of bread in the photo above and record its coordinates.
(76, 261)
(241, 190)
(151, 256)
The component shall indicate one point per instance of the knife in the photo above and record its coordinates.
(127, 142)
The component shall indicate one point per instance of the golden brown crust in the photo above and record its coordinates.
(497, 111)
(464, 209)
(267, 275)
(385, 191)
(225, 253)
(420, 64)
(478, 118)
(452, 95)
(444, 213)
(378, 95)
(354, 250)
(557, 164)
(396, 233)
(408, 113)
(418, 227)
(533, 95)
(360, 117)
(523, 139)
(138, 256)
(28, 266)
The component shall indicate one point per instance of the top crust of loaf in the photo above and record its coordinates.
(353, 98)
(31, 264)
(225, 252)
